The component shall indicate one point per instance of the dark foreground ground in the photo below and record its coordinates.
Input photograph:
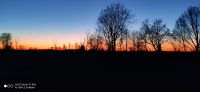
(76, 71)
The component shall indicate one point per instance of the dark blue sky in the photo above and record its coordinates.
(42, 22)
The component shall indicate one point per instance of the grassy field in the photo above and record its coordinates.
(81, 71)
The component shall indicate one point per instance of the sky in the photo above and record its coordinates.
(41, 23)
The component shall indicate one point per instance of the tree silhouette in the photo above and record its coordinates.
(55, 45)
(133, 39)
(5, 39)
(87, 39)
(156, 33)
(127, 35)
(180, 33)
(82, 47)
(124, 38)
(69, 46)
(16, 44)
(112, 22)
(95, 42)
(138, 41)
(187, 28)
(64, 47)
(121, 41)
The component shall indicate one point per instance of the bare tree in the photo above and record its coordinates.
(156, 33)
(188, 28)
(127, 35)
(81, 47)
(16, 44)
(55, 45)
(138, 42)
(180, 33)
(112, 22)
(87, 39)
(176, 45)
(69, 46)
(21, 47)
(76, 46)
(5, 39)
(143, 38)
(133, 39)
(95, 42)
(121, 41)
(64, 47)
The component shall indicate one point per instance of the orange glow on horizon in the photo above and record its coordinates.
(73, 43)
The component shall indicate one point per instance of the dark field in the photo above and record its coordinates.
(72, 71)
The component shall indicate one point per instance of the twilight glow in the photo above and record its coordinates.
(41, 23)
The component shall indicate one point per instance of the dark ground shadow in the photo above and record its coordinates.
(78, 71)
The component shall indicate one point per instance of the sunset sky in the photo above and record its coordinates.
(40, 23)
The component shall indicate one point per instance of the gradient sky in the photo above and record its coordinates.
(40, 23)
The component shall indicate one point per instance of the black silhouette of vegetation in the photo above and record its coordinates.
(156, 34)
(139, 41)
(5, 39)
(82, 47)
(95, 42)
(187, 28)
(124, 39)
(112, 23)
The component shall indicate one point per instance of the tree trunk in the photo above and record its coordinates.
(197, 47)
(159, 48)
(126, 43)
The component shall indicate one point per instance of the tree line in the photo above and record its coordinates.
(6, 41)
(112, 28)
(112, 32)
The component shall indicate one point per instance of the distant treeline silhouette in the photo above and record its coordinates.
(112, 28)
(6, 42)
(112, 33)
